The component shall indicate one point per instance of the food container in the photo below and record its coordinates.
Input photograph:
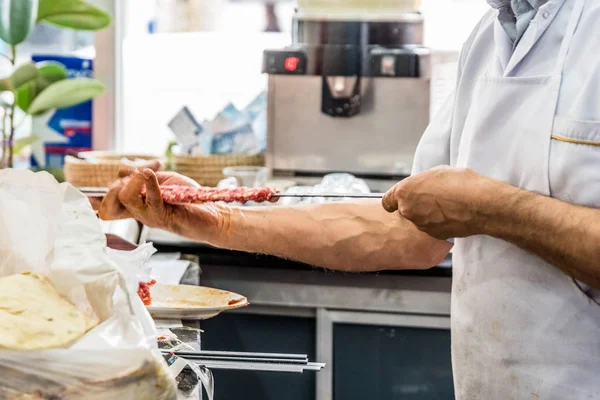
(100, 168)
(248, 176)
(208, 170)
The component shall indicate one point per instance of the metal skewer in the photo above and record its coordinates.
(101, 192)
(250, 361)
(332, 195)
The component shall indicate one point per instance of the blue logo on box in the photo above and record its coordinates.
(73, 124)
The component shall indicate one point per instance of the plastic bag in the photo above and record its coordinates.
(85, 374)
(331, 183)
(134, 264)
(190, 377)
(52, 229)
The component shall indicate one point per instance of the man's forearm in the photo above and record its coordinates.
(565, 235)
(341, 236)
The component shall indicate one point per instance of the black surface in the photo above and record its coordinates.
(344, 107)
(344, 60)
(357, 33)
(213, 256)
(319, 174)
(275, 62)
(406, 62)
(266, 334)
(391, 363)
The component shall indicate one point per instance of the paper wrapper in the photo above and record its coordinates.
(51, 229)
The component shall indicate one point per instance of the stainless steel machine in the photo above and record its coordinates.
(348, 96)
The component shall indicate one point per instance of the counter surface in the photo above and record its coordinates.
(213, 256)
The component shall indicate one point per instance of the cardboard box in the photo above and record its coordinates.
(67, 130)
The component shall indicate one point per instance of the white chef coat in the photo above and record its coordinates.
(573, 175)
(515, 15)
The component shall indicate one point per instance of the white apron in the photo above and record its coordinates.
(521, 329)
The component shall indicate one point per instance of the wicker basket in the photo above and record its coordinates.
(97, 168)
(208, 170)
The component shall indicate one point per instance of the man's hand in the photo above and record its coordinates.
(444, 202)
(112, 208)
(125, 200)
(124, 172)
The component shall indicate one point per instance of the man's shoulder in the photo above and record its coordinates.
(481, 36)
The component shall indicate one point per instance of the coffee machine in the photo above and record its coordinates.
(348, 95)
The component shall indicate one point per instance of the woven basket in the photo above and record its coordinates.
(101, 170)
(208, 170)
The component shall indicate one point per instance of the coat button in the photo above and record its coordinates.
(546, 14)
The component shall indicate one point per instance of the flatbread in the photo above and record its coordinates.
(184, 297)
(34, 316)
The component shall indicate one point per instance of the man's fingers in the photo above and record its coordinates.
(96, 202)
(127, 170)
(153, 165)
(389, 202)
(153, 194)
(111, 207)
(131, 195)
(392, 198)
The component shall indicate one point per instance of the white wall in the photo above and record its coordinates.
(206, 70)
(449, 22)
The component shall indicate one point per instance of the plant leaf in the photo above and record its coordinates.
(65, 93)
(169, 154)
(20, 76)
(24, 74)
(75, 14)
(49, 72)
(22, 143)
(22, 80)
(17, 19)
(5, 85)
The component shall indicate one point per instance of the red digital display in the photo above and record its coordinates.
(291, 63)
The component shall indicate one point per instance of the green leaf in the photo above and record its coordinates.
(169, 153)
(49, 72)
(57, 173)
(65, 93)
(5, 85)
(24, 74)
(20, 76)
(17, 19)
(22, 143)
(75, 14)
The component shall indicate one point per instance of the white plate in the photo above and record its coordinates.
(191, 302)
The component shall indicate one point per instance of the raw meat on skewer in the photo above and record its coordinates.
(184, 194)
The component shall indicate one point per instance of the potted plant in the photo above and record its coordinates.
(33, 89)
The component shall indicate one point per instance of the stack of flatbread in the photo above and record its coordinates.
(33, 316)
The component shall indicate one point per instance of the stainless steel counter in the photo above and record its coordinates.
(313, 289)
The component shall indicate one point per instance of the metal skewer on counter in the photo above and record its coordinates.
(297, 363)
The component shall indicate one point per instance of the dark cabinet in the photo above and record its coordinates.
(265, 334)
(391, 363)
(368, 355)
